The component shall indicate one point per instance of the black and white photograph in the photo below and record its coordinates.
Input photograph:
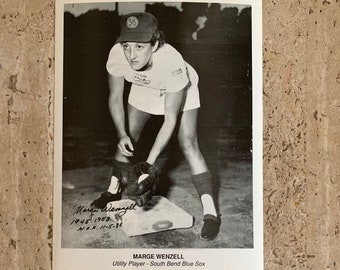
(158, 133)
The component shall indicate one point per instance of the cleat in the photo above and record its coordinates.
(105, 198)
(210, 227)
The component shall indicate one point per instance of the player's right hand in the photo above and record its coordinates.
(125, 146)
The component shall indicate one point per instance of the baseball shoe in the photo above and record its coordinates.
(211, 227)
(105, 198)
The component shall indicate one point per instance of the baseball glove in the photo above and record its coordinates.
(141, 182)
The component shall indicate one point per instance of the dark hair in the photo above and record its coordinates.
(158, 36)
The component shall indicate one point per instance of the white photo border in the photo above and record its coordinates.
(217, 259)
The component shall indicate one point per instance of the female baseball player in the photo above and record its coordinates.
(162, 84)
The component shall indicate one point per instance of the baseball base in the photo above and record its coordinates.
(158, 215)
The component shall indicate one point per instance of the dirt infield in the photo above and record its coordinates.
(232, 168)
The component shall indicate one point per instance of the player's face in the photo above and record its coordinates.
(139, 55)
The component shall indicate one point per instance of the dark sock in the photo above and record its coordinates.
(118, 166)
(203, 183)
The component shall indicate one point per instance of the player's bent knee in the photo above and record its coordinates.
(189, 147)
(134, 137)
(135, 133)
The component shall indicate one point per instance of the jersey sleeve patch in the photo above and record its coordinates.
(177, 72)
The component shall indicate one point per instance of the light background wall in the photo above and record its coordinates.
(301, 96)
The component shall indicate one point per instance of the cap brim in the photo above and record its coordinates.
(134, 37)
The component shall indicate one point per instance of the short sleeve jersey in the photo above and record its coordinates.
(168, 72)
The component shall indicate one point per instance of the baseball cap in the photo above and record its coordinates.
(137, 27)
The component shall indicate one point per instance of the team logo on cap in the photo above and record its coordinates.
(132, 22)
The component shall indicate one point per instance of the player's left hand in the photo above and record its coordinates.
(141, 182)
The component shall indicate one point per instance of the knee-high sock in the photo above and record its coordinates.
(203, 185)
(117, 167)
